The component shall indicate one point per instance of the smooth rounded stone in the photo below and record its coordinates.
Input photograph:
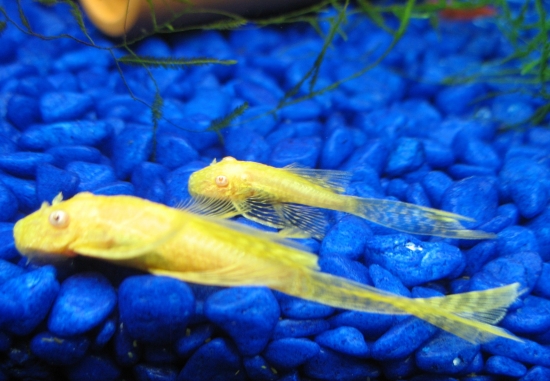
(64, 105)
(93, 368)
(257, 119)
(57, 350)
(63, 155)
(194, 338)
(122, 107)
(540, 226)
(521, 172)
(511, 109)
(446, 354)
(531, 197)
(6, 144)
(299, 328)
(303, 151)
(155, 309)
(84, 301)
(296, 308)
(308, 129)
(435, 184)
(463, 171)
(337, 148)
(507, 215)
(374, 153)
(525, 351)
(407, 155)
(456, 100)
(414, 262)
(177, 183)
(259, 370)
(217, 360)
(247, 146)
(159, 354)
(247, 314)
(305, 110)
(23, 164)
(536, 373)
(399, 369)
(116, 188)
(255, 94)
(132, 146)
(397, 188)
(91, 175)
(37, 290)
(416, 195)
(23, 190)
(127, 350)
(328, 365)
(514, 239)
(290, 352)
(381, 123)
(9, 271)
(8, 204)
(105, 332)
(346, 340)
(478, 153)
(385, 280)
(503, 366)
(208, 101)
(474, 197)
(478, 256)
(402, 339)
(146, 372)
(173, 151)
(23, 111)
(542, 287)
(44, 136)
(340, 266)
(532, 318)
(371, 325)
(8, 251)
(437, 155)
(145, 174)
(50, 181)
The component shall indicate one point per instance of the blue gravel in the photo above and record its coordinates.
(69, 124)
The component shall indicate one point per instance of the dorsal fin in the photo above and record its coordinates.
(337, 181)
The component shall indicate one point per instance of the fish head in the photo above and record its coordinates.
(222, 180)
(47, 233)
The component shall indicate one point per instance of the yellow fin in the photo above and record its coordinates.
(209, 206)
(336, 181)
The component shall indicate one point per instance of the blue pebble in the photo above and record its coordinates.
(50, 181)
(146, 173)
(23, 111)
(537, 373)
(385, 280)
(9, 271)
(155, 309)
(308, 129)
(435, 184)
(299, 328)
(94, 368)
(397, 188)
(116, 188)
(248, 315)
(371, 325)
(381, 123)
(531, 197)
(402, 339)
(328, 365)
(416, 195)
(437, 155)
(399, 369)
(127, 350)
(257, 119)
(37, 290)
(446, 354)
(407, 156)
(538, 136)
(258, 369)
(542, 286)
(193, 339)
(305, 110)
(177, 182)
(159, 355)
(340, 266)
(478, 256)
(132, 146)
(217, 360)
(23, 164)
(63, 155)
(514, 239)
(247, 146)
(144, 372)
(84, 301)
(504, 366)
(462, 171)
(6, 144)
(296, 308)
(106, 330)
(532, 318)
(122, 107)
(525, 351)
(57, 350)
(336, 149)
(8, 204)
(511, 109)
(346, 340)
(457, 99)
(255, 94)
(290, 353)
(474, 197)
(173, 151)
(540, 226)
(303, 151)
(23, 190)
(414, 262)
(521, 172)
(44, 136)
(7, 244)
(478, 153)
(507, 215)
(91, 175)
(374, 153)
(64, 105)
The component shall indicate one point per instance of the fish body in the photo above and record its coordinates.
(133, 232)
(292, 199)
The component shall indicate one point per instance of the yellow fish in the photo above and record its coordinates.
(290, 198)
(172, 242)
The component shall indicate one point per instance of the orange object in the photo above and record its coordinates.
(468, 14)
(133, 17)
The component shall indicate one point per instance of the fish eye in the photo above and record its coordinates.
(59, 219)
(221, 181)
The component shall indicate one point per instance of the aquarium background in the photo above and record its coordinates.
(451, 116)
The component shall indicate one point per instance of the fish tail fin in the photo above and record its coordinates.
(467, 315)
(414, 219)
